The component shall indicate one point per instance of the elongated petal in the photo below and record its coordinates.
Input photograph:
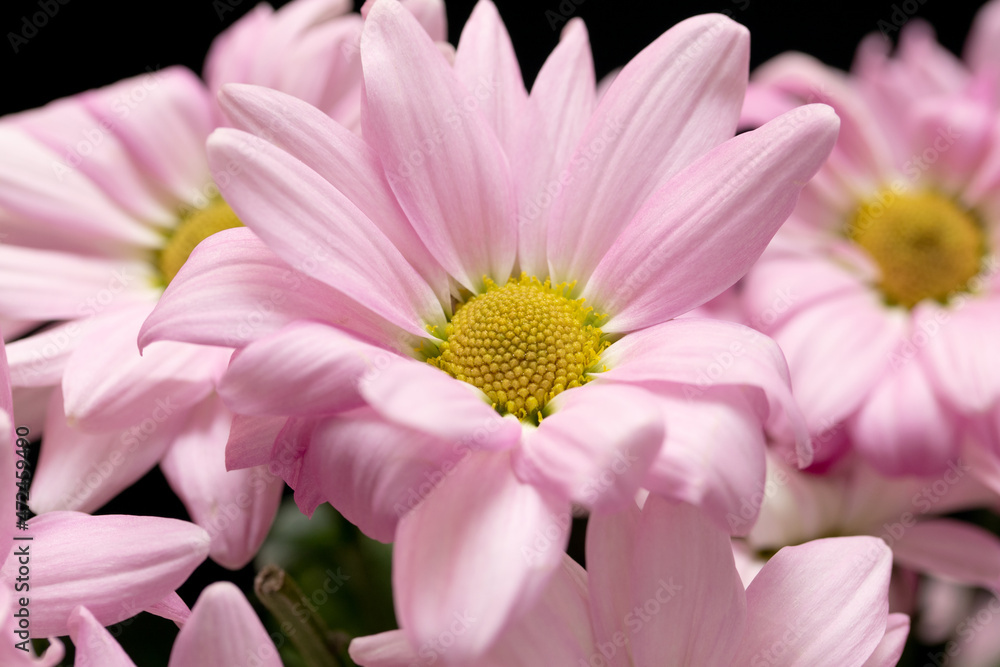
(684, 578)
(951, 549)
(171, 607)
(39, 360)
(422, 397)
(82, 471)
(595, 447)
(372, 471)
(961, 356)
(10, 651)
(107, 383)
(698, 70)
(386, 649)
(442, 158)
(318, 230)
(223, 630)
(233, 290)
(95, 645)
(922, 442)
(714, 455)
(251, 440)
(663, 264)
(485, 63)
(479, 547)
(705, 353)
(236, 507)
(889, 650)
(339, 156)
(824, 603)
(306, 368)
(115, 565)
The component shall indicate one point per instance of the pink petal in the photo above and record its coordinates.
(339, 156)
(315, 228)
(442, 158)
(610, 550)
(386, 649)
(421, 397)
(961, 132)
(961, 356)
(236, 507)
(713, 457)
(560, 105)
(902, 428)
(46, 285)
(162, 118)
(115, 565)
(479, 548)
(372, 471)
(824, 603)
(223, 630)
(306, 368)
(82, 471)
(108, 384)
(10, 654)
(889, 650)
(233, 290)
(233, 51)
(706, 353)
(595, 447)
(39, 360)
(951, 549)
(685, 589)
(485, 63)
(665, 261)
(95, 645)
(32, 406)
(251, 440)
(698, 70)
(837, 351)
(982, 46)
(171, 607)
(431, 15)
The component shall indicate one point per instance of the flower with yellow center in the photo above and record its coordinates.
(193, 227)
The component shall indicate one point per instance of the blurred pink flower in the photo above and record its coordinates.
(882, 287)
(662, 588)
(468, 191)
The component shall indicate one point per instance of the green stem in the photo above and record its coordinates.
(318, 646)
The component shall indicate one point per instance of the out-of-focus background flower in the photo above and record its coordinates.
(54, 48)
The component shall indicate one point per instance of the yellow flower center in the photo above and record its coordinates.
(194, 227)
(522, 344)
(926, 245)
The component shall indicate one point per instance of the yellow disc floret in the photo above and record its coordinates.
(194, 227)
(926, 245)
(522, 344)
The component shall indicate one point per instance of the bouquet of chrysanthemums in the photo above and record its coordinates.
(683, 367)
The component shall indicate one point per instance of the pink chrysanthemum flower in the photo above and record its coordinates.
(102, 197)
(662, 588)
(475, 331)
(882, 288)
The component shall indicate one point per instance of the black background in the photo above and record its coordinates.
(88, 44)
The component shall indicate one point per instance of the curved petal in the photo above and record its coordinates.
(595, 447)
(236, 507)
(95, 645)
(692, 608)
(821, 603)
(714, 455)
(479, 548)
(421, 397)
(951, 549)
(705, 353)
(372, 471)
(306, 368)
(223, 630)
(115, 565)
(697, 70)
(485, 63)
(729, 203)
(107, 383)
(251, 440)
(901, 428)
(561, 103)
(889, 650)
(339, 156)
(40, 359)
(82, 471)
(386, 649)
(318, 230)
(233, 290)
(442, 158)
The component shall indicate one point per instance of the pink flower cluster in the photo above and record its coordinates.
(378, 269)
